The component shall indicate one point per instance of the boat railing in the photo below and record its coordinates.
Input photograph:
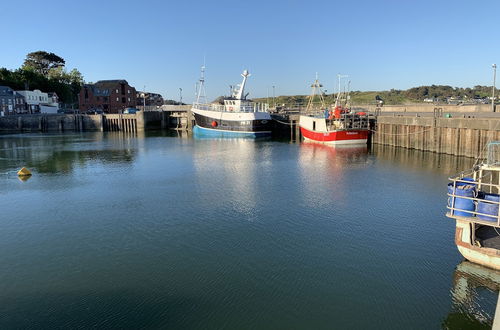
(473, 196)
(253, 107)
(354, 121)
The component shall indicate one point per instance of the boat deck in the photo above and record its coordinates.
(488, 237)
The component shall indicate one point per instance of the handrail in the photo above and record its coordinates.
(478, 183)
(255, 107)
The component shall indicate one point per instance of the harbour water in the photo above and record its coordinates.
(159, 231)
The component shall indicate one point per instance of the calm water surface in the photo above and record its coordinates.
(127, 231)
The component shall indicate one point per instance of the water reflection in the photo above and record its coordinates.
(23, 178)
(473, 294)
(416, 159)
(60, 153)
(320, 163)
(336, 157)
(226, 171)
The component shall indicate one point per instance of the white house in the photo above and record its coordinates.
(39, 101)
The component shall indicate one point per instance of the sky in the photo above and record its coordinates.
(162, 44)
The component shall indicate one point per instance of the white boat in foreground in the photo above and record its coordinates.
(473, 200)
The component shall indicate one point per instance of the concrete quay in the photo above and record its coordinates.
(426, 110)
(454, 136)
(81, 122)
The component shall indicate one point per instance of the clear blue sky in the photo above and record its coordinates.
(161, 44)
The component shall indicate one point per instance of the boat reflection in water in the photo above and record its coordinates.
(229, 184)
(334, 164)
(340, 157)
(473, 295)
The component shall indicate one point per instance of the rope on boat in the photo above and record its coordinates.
(282, 122)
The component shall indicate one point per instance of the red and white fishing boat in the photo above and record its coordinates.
(338, 126)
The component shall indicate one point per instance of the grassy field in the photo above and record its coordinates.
(394, 96)
(357, 98)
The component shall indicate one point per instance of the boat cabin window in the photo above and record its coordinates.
(314, 125)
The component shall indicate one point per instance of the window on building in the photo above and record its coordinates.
(129, 99)
(124, 100)
(117, 91)
(117, 99)
(98, 98)
(86, 93)
(128, 90)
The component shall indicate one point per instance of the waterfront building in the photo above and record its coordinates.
(152, 100)
(11, 102)
(34, 99)
(110, 96)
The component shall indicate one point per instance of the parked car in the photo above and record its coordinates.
(130, 110)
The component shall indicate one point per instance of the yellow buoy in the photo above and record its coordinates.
(24, 172)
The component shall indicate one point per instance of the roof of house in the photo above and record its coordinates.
(112, 81)
(103, 87)
(6, 91)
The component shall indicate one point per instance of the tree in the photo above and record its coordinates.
(41, 62)
(219, 100)
(61, 75)
(75, 77)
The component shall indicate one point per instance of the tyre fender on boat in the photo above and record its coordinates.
(214, 123)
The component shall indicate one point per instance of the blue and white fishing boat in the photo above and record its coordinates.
(473, 201)
(237, 117)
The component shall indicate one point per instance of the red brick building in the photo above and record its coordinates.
(110, 96)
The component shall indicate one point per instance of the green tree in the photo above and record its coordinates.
(41, 62)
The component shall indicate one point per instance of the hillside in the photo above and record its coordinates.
(394, 96)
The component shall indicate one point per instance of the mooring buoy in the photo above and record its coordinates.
(24, 172)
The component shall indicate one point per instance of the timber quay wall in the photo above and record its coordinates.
(454, 136)
(79, 122)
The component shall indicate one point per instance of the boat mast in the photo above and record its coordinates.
(338, 100)
(315, 89)
(239, 95)
(347, 97)
(201, 97)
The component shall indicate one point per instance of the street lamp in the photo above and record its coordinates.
(180, 96)
(144, 99)
(274, 98)
(494, 66)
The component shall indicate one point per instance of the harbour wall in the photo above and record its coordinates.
(454, 136)
(430, 108)
(82, 122)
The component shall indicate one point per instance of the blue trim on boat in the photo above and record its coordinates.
(218, 133)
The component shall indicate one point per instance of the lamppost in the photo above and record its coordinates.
(144, 99)
(274, 98)
(180, 96)
(494, 66)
